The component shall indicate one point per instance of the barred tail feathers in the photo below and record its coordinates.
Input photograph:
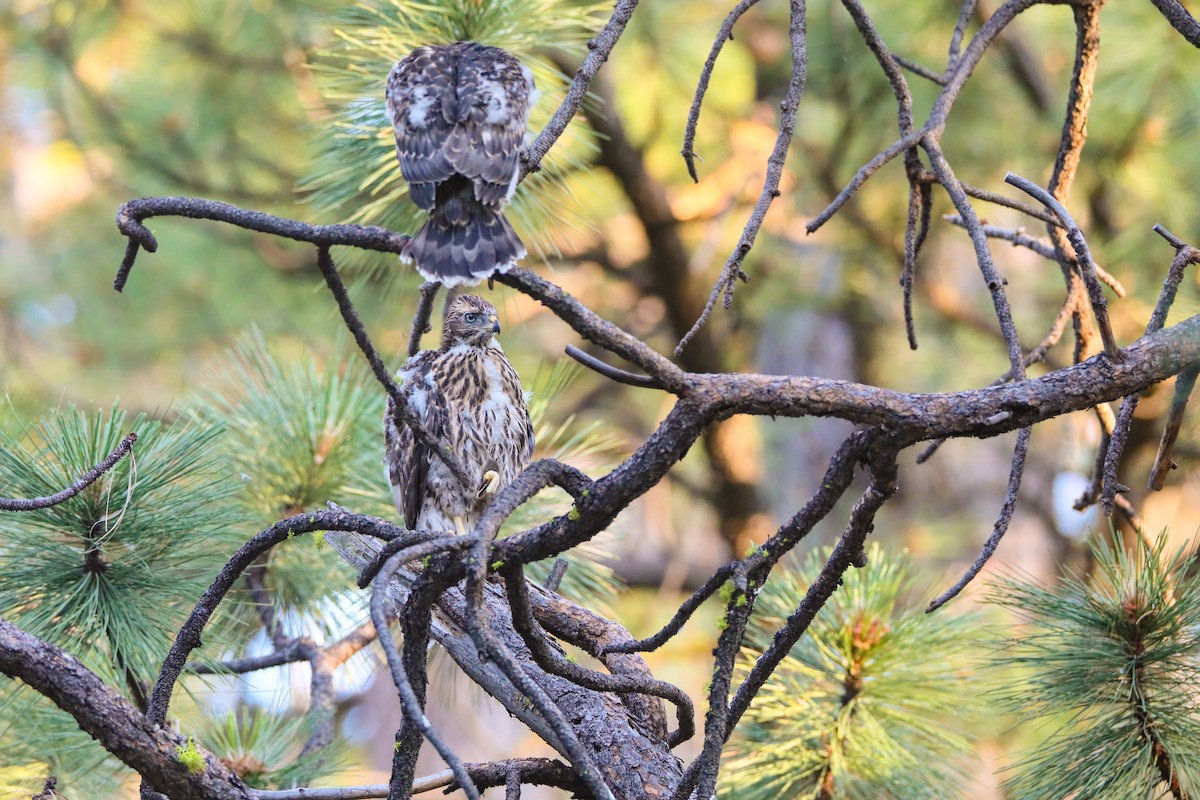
(464, 248)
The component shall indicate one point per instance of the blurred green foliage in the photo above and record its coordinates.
(1107, 664)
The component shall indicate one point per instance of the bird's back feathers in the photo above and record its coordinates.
(459, 114)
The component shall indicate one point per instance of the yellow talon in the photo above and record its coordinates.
(491, 485)
(459, 526)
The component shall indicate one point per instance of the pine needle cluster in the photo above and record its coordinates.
(1110, 663)
(108, 575)
(299, 436)
(875, 701)
(261, 746)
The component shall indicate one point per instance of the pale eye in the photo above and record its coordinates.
(471, 317)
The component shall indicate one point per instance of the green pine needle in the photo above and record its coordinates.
(110, 574)
(299, 437)
(1110, 663)
(873, 702)
(38, 739)
(263, 748)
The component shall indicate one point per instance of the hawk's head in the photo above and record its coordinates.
(470, 320)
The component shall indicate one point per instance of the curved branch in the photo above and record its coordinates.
(550, 658)
(723, 35)
(410, 552)
(113, 721)
(134, 212)
(679, 618)
(612, 373)
(1082, 254)
(85, 480)
(600, 47)
(732, 271)
(189, 636)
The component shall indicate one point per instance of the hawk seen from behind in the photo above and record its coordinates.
(459, 112)
(469, 398)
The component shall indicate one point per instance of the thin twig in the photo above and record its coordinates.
(421, 325)
(732, 271)
(723, 35)
(1170, 238)
(716, 722)
(919, 195)
(414, 712)
(612, 373)
(964, 17)
(599, 49)
(1007, 202)
(1185, 255)
(1016, 472)
(680, 617)
(864, 173)
(300, 649)
(919, 70)
(400, 406)
(1017, 237)
(995, 282)
(595, 328)
(85, 480)
(1184, 383)
(1082, 254)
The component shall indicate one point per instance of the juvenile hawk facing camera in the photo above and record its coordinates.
(468, 397)
(459, 113)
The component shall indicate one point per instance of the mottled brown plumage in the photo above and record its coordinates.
(459, 113)
(468, 396)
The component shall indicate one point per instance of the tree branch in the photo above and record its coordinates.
(150, 750)
(533, 771)
(85, 480)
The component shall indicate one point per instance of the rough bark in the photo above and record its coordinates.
(113, 721)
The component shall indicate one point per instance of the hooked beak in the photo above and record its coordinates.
(495, 325)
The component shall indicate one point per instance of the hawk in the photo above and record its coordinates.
(459, 113)
(468, 397)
